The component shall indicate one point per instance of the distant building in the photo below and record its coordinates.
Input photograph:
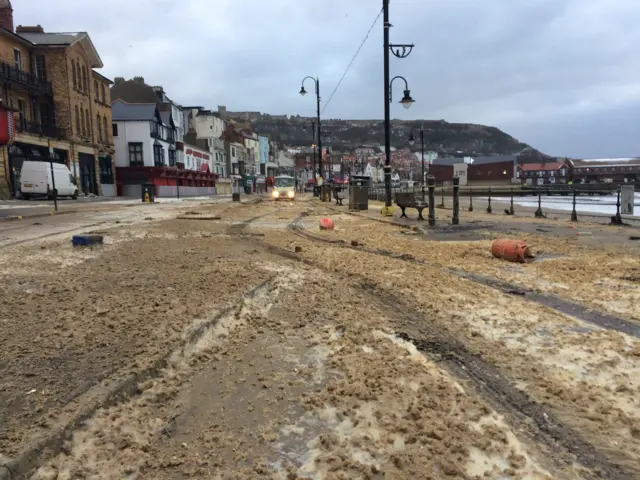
(617, 170)
(481, 170)
(547, 173)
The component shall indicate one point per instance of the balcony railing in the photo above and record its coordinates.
(25, 126)
(27, 79)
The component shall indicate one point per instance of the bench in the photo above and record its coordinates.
(340, 194)
(408, 200)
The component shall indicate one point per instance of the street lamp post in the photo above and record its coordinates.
(303, 92)
(400, 51)
(411, 142)
(313, 146)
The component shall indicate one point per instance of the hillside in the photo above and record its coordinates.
(440, 136)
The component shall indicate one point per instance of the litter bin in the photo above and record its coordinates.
(359, 192)
(326, 193)
(148, 190)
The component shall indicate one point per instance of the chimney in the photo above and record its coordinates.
(138, 80)
(6, 15)
(119, 80)
(29, 29)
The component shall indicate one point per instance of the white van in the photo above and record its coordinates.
(35, 179)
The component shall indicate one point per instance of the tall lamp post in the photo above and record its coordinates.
(313, 145)
(412, 140)
(400, 51)
(303, 92)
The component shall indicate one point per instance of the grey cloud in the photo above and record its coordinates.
(551, 72)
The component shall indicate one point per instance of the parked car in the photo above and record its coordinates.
(35, 180)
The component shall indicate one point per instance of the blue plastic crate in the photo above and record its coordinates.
(87, 240)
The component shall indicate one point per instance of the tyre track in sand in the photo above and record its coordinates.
(531, 417)
(44, 448)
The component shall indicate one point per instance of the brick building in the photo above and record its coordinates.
(481, 170)
(546, 173)
(60, 105)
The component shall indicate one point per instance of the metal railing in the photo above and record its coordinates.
(26, 126)
(11, 73)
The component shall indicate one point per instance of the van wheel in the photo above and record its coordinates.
(26, 196)
(75, 195)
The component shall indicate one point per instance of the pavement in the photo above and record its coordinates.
(213, 339)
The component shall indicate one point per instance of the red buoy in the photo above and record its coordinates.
(326, 224)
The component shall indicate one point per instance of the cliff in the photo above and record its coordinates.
(439, 136)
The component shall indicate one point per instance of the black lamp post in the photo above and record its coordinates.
(412, 140)
(400, 51)
(303, 92)
(313, 145)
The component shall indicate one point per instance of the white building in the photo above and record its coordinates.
(208, 127)
(142, 137)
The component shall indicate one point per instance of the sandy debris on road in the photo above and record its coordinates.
(71, 329)
(583, 372)
(303, 392)
(305, 379)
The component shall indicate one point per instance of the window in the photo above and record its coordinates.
(45, 115)
(95, 87)
(22, 111)
(99, 127)
(114, 129)
(155, 129)
(158, 155)
(135, 155)
(41, 68)
(104, 127)
(104, 96)
(17, 58)
(75, 77)
(83, 123)
(79, 76)
(78, 122)
(85, 83)
(233, 151)
(172, 158)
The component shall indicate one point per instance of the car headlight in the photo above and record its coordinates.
(290, 194)
(276, 194)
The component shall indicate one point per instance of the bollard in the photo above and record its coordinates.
(470, 200)
(455, 218)
(574, 214)
(539, 213)
(432, 200)
(511, 211)
(489, 206)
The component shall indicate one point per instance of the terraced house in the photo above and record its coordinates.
(58, 106)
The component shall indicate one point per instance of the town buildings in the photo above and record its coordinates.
(59, 106)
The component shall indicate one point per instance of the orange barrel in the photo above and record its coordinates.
(512, 250)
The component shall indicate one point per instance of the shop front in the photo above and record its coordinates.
(20, 152)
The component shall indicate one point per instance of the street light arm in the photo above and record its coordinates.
(401, 50)
(315, 81)
(406, 86)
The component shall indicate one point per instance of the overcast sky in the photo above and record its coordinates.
(561, 75)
